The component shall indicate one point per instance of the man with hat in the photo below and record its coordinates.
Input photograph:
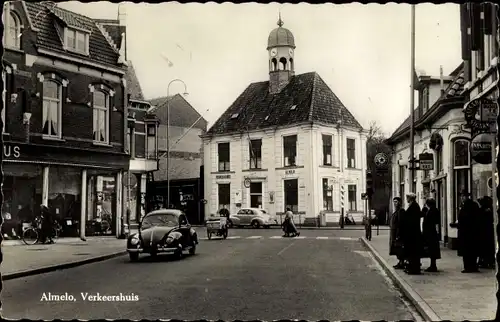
(468, 232)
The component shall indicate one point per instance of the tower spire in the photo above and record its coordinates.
(280, 22)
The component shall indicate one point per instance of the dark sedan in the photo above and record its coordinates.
(163, 231)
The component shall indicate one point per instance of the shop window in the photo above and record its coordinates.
(52, 109)
(255, 149)
(12, 34)
(101, 117)
(224, 156)
(327, 196)
(224, 195)
(351, 197)
(351, 153)
(256, 195)
(290, 150)
(461, 172)
(292, 194)
(327, 149)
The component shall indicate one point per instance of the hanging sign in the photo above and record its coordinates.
(481, 115)
(480, 148)
(381, 160)
(426, 161)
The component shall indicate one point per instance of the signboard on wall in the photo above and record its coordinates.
(481, 114)
(426, 161)
(480, 148)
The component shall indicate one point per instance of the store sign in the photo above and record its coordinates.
(289, 172)
(223, 176)
(426, 161)
(480, 148)
(481, 114)
(11, 151)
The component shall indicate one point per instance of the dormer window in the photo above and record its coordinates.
(76, 41)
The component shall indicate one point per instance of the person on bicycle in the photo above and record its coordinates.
(47, 224)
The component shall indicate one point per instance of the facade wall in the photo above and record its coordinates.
(309, 170)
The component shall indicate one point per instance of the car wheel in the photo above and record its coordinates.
(179, 254)
(255, 224)
(134, 257)
(192, 250)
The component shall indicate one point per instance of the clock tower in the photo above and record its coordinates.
(281, 47)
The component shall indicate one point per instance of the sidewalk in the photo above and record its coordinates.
(446, 295)
(21, 260)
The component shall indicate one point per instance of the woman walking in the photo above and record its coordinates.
(430, 233)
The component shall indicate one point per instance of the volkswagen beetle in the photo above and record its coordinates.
(163, 231)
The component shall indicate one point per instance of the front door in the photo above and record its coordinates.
(441, 203)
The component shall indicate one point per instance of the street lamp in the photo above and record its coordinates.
(168, 134)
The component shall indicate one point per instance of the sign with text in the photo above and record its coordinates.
(11, 151)
(480, 148)
(223, 176)
(426, 161)
(481, 114)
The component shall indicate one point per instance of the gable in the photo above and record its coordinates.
(182, 114)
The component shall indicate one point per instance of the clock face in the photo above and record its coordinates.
(274, 52)
(290, 51)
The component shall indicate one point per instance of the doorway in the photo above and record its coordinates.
(441, 204)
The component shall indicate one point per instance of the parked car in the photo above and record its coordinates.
(163, 231)
(254, 217)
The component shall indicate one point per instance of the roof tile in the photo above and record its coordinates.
(258, 109)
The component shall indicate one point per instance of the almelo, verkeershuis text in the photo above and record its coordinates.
(91, 297)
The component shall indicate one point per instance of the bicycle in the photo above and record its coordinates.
(32, 234)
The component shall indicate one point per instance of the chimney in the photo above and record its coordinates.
(441, 79)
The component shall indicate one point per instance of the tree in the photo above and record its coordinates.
(382, 175)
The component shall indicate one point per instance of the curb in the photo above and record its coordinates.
(47, 269)
(310, 228)
(422, 307)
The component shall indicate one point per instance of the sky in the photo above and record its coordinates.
(361, 51)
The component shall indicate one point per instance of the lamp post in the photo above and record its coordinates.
(168, 133)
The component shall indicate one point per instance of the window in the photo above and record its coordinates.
(425, 100)
(13, 31)
(290, 150)
(129, 141)
(255, 149)
(151, 142)
(101, 117)
(439, 161)
(77, 41)
(4, 95)
(351, 153)
(487, 51)
(223, 149)
(52, 109)
(224, 195)
(256, 195)
(461, 171)
(351, 197)
(402, 179)
(292, 194)
(327, 149)
(327, 196)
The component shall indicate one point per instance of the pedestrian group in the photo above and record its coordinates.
(414, 234)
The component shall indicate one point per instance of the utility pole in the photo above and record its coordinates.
(412, 101)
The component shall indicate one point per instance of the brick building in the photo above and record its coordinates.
(186, 156)
(64, 116)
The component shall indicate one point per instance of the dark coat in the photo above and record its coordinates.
(430, 233)
(487, 236)
(411, 234)
(395, 246)
(468, 233)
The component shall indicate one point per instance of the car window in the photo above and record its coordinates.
(241, 212)
(263, 211)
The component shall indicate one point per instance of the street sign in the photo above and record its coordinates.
(341, 196)
(426, 161)
(247, 182)
(480, 148)
(480, 114)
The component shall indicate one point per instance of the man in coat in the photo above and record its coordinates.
(411, 234)
(395, 246)
(468, 233)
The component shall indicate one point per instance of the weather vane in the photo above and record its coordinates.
(280, 22)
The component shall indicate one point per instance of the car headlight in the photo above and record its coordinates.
(134, 240)
(170, 239)
(173, 236)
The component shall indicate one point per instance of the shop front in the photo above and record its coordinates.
(77, 186)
